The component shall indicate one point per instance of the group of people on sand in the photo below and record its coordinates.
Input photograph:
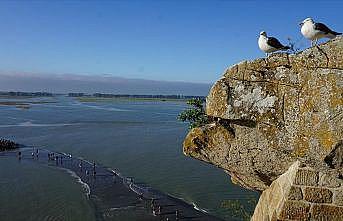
(7, 145)
(157, 210)
(87, 171)
(58, 159)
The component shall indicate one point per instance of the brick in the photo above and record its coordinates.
(306, 177)
(329, 181)
(295, 210)
(326, 212)
(338, 197)
(317, 195)
(295, 193)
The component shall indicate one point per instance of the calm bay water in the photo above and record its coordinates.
(35, 192)
(141, 139)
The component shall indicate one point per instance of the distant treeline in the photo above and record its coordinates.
(25, 94)
(99, 95)
(135, 96)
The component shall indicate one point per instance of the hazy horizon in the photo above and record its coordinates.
(81, 83)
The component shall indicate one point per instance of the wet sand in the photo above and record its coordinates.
(114, 196)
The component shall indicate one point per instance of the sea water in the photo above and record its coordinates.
(141, 139)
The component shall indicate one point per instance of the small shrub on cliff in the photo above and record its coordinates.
(195, 115)
(238, 210)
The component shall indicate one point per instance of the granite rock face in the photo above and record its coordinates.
(268, 113)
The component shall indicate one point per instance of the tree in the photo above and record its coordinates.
(195, 114)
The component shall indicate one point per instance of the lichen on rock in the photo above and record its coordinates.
(277, 127)
(270, 112)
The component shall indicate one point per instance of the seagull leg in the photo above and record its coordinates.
(315, 42)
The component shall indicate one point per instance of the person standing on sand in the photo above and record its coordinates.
(37, 152)
(94, 172)
(153, 211)
(87, 175)
(152, 202)
(19, 155)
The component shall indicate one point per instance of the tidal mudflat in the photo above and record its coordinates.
(141, 139)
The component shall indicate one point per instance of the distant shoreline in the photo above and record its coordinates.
(104, 99)
(96, 97)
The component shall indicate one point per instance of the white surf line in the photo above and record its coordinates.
(79, 180)
(132, 186)
(116, 173)
(198, 208)
(191, 203)
(135, 188)
(121, 208)
(105, 108)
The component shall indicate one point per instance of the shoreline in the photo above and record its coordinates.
(109, 189)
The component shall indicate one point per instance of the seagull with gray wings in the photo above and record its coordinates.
(270, 44)
(315, 31)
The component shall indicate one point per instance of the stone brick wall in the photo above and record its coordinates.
(303, 193)
(314, 196)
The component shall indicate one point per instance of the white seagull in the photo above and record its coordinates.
(314, 31)
(270, 44)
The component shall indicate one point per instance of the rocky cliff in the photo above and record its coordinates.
(268, 113)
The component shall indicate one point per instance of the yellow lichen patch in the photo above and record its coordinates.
(301, 146)
(336, 92)
(269, 132)
(206, 137)
(315, 120)
(216, 103)
(335, 99)
(217, 136)
(188, 143)
(325, 136)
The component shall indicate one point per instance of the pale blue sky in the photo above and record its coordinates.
(190, 41)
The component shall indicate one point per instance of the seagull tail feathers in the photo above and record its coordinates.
(333, 34)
